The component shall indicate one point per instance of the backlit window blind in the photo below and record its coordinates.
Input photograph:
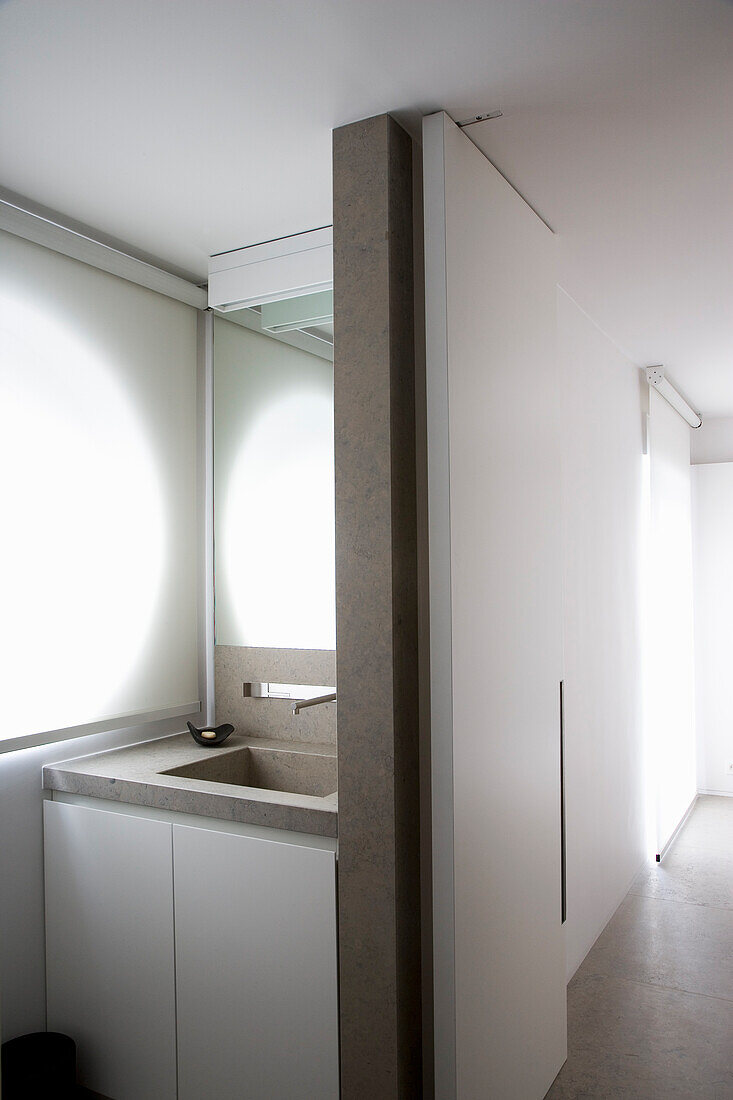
(98, 479)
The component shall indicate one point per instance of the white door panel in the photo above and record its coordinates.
(495, 544)
(256, 968)
(109, 948)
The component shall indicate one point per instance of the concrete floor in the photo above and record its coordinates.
(650, 1011)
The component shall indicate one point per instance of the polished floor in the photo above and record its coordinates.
(650, 1011)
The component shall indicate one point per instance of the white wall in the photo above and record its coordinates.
(602, 431)
(669, 629)
(713, 560)
(713, 442)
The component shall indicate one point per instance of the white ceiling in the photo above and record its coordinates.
(187, 127)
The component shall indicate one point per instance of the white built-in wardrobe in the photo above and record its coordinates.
(496, 632)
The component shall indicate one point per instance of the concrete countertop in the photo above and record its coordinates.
(133, 775)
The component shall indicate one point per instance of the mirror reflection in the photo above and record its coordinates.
(274, 474)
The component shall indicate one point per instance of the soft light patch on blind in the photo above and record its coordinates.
(669, 626)
(93, 554)
(279, 524)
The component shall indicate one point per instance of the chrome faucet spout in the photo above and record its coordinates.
(301, 704)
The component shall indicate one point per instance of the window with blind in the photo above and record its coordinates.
(98, 552)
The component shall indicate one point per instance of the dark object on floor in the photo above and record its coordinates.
(39, 1065)
(210, 735)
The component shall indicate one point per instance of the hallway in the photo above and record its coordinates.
(650, 1011)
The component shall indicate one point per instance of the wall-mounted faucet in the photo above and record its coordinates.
(303, 695)
(301, 704)
(285, 691)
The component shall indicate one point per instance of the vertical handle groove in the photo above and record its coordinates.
(563, 853)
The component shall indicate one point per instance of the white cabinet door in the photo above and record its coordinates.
(255, 968)
(109, 948)
(495, 575)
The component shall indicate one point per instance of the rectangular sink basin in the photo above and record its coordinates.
(268, 769)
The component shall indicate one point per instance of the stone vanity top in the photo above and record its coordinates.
(133, 775)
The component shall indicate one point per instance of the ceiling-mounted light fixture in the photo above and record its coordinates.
(655, 377)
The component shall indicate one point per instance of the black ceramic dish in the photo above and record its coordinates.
(220, 734)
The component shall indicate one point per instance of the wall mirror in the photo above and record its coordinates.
(273, 445)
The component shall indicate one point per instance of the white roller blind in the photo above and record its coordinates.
(713, 578)
(670, 626)
(98, 480)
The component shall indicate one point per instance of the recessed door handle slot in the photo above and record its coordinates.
(563, 852)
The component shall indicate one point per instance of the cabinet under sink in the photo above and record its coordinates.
(266, 768)
(189, 958)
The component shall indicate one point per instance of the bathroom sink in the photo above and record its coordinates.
(268, 769)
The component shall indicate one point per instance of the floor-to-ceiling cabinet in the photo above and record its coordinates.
(496, 650)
